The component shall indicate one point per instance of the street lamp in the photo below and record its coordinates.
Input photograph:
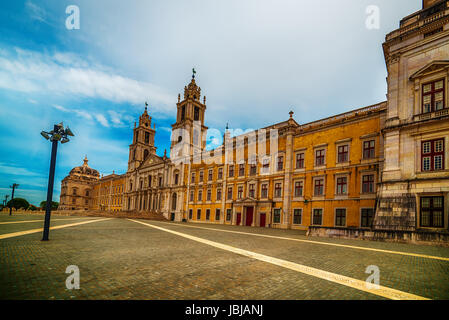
(14, 186)
(57, 134)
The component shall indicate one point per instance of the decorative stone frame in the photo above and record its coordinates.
(296, 152)
(300, 198)
(346, 175)
(335, 217)
(317, 148)
(319, 197)
(341, 143)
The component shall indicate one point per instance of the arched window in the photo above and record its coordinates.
(145, 154)
(173, 204)
(196, 114)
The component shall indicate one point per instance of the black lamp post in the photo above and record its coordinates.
(14, 186)
(57, 134)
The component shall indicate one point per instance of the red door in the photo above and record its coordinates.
(239, 218)
(263, 219)
(249, 216)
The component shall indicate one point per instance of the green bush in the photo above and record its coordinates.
(18, 203)
(54, 205)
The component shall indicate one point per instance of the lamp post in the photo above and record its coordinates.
(14, 186)
(57, 134)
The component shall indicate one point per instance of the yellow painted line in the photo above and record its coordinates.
(317, 242)
(22, 233)
(329, 276)
(27, 221)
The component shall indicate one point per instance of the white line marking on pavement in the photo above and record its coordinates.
(329, 276)
(27, 221)
(21, 233)
(315, 242)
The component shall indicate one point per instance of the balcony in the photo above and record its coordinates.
(431, 115)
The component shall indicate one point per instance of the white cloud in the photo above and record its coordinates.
(35, 12)
(16, 171)
(101, 118)
(80, 113)
(67, 74)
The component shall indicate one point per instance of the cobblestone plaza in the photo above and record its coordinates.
(154, 260)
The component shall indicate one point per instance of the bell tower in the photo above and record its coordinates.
(143, 141)
(189, 131)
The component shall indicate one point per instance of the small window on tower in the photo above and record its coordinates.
(183, 113)
(147, 137)
(196, 115)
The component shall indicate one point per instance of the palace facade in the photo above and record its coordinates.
(381, 167)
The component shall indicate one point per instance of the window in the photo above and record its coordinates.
(176, 178)
(432, 209)
(149, 181)
(196, 114)
(319, 187)
(340, 217)
(192, 180)
(253, 170)
(432, 155)
(200, 195)
(220, 173)
(198, 214)
(251, 192)
(240, 193)
(368, 183)
(231, 171)
(433, 96)
(264, 193)
(278, 190)
(218, 194)
(342, 185)
(190, 214)
(192, 196)
(201, 176)
(367, 218)
(209, 178)
(300, 161)
(217, 214)
(298, 188)
(297, 216)
(277, 216)
(147, 137)
(368, 149)
(228, 214)
(241, 170)
(317, 218)
(183, 112)
(74, 191)
(266, 166)
(280, 165)
(209, 195)
(319, 157)
(343, 154)
(207, 214)
(229, 193)
(160, 181)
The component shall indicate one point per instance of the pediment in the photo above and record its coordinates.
(151, 160)
(431, 67)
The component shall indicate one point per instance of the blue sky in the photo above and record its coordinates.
(255, 59)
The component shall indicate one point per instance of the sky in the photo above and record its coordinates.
(255, 60)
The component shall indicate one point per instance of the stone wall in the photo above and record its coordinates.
(417, 237)
(396, 213)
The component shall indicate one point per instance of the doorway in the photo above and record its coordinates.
(249, 216)
(239, 219)
(263, 220)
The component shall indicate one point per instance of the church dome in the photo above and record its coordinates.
(85, 171)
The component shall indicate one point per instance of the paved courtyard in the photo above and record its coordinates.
(141, 259)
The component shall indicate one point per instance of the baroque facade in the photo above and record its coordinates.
(380, 167)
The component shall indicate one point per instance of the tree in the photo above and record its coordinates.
(33, 207)
(54, 205)
(18, 203)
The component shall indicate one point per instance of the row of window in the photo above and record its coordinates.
(368, 186)
(366, 218)
(431, 214)
(343, 157)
